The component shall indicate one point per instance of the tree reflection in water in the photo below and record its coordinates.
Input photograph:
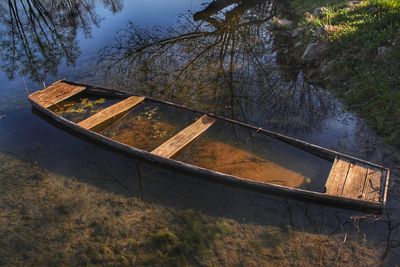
(221, 60)
(36, 35)
(224, 59)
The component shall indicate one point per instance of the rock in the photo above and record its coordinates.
(320, 12)
(321, 31)
(383, 51)
(354, 3)
(286, 33)
(281, 24)
(329, 72)
(314, 51)
(327, 67)
(298, 44)
(326, 30)
(313, 75)
(309, 17)
(373, 10)
(298, 31)
(333, 78)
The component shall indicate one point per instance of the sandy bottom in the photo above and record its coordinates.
(47, 219)
(228, 159)
(140, 132)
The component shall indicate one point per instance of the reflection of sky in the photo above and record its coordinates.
(142, 13)
(152, 14)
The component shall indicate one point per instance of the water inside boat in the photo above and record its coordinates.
(240, 151)
(224, 147)
(82, 106)
(148, 125)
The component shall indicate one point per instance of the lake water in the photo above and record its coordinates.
(219, 58)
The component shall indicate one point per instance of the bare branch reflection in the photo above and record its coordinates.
(37, 35)
(222, 59)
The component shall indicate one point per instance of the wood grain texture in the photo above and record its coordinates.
(55, 93)
(372, 189)
(184, 137)
(110, 112)
(337, 177)
(354, 185)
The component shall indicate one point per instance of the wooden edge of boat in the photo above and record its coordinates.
(312, 196)
(385, 193)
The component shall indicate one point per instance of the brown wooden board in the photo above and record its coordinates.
(337, 177)
(184, 137)
(55, 93)
(111, 112)
(372, 188)
(355, 180)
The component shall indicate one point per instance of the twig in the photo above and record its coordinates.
(340, 249)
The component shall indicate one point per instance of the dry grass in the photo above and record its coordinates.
(47, 220)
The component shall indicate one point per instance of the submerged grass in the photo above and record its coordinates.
(50, 220)
(369, 80)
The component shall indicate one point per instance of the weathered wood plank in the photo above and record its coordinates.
(55, 93)
(337, 177)
(372, 189)
(110, 112)
(354, 185)
(184, 137)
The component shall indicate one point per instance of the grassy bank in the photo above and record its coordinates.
(364, 46)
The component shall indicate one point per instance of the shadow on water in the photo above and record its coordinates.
(222, 59)
(155, 184)
(116, 173)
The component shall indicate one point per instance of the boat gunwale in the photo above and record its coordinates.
(375, 206)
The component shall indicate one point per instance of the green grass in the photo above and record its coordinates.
(302, 6)
(194, 239)
(371, 84)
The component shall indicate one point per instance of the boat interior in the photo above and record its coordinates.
(207, 141)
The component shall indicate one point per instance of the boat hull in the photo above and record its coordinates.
(222, 178)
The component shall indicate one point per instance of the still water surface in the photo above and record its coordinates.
(219, 58)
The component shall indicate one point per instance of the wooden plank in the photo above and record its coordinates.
(55, 93)
(355, 181)
(184, 137)
(337, 177)
(372, 189)
(110, 112)
(386, 186)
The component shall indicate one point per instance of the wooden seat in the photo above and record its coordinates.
(111, 112)
(55, 93)
(176, 143)
(354, 180)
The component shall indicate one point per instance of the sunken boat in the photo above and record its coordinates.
(214, 148)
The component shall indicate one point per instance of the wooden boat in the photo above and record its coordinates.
(215, 148)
